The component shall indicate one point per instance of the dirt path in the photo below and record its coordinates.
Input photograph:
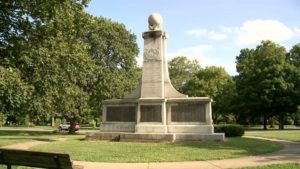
(290, 154)
(26, 145)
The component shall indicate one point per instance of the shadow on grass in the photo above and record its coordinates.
(249, 146)
(25, 133)
(34, 133)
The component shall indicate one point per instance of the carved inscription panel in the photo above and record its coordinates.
(188, 112)
(121, 113)
(151, 113)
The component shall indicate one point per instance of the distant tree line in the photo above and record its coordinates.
(266, 89)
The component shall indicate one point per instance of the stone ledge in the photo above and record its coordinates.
(121, 136)
(187, 129)
(189, 99)
(118, 126)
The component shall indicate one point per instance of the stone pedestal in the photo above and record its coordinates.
(155, 110)
(151, 116)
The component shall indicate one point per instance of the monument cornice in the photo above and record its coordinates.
(154, 34)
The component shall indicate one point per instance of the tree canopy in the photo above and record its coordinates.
(60, 60)
(265, 82)
(216, 83)
(181, 70)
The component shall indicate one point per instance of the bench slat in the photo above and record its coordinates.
(35, 159)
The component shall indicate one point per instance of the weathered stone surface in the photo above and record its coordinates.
(155, 22)
(191, 128)
(154, 137)
(151, 128)
(118, 126)
(199, 137)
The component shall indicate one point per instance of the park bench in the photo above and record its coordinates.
(11, 157)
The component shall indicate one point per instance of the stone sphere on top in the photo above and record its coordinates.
(155, 22)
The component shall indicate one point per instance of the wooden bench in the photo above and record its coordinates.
(11, 157)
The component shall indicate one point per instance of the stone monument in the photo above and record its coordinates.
(155, 110)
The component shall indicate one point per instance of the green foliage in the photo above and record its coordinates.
(14, 93)
(58, 121)
(294, 55)
(2, 119)
(93, 123)
(56, 58)
(181, 70)
(113, 50)
(216, 83)
(267, 82)
(230, 130)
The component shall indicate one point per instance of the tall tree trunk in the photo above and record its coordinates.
(52, 120)
(265, 121)
(272, 122)
(281, 121)
(72, 120)
(214, 117)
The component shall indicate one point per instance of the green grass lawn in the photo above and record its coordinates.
(261, 127)
(292, 135)
(13, 136)
(277, 166)
(45, 128)
(105, 151)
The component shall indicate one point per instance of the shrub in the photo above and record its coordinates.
(230, 130)
(2, 119)
(57, 122)
(93, 123)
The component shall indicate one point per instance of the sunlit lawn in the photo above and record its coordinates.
(261, 127)
(292, 135)
(106, 151)
(13, 136)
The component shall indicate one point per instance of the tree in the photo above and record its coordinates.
(294, 55)
(294, 58)
(113, 49)
(65, 56)
(216, 83)
(181, 70)
(14, 93)
(2, 119)
(264, 82)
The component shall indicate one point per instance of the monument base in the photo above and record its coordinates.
(118, 126)
(170, 137)
(148, 128)
(199, 129)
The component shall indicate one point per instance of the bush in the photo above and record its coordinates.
(57, 122)
(230, 130)
(93, 123)
(2, 119)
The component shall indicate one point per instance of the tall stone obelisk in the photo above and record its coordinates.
(155, 85)
(155, 79)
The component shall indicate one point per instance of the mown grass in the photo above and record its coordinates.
(105, 151)
(261, 127)
(9, 137)
(277, 166)
(292, 135)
